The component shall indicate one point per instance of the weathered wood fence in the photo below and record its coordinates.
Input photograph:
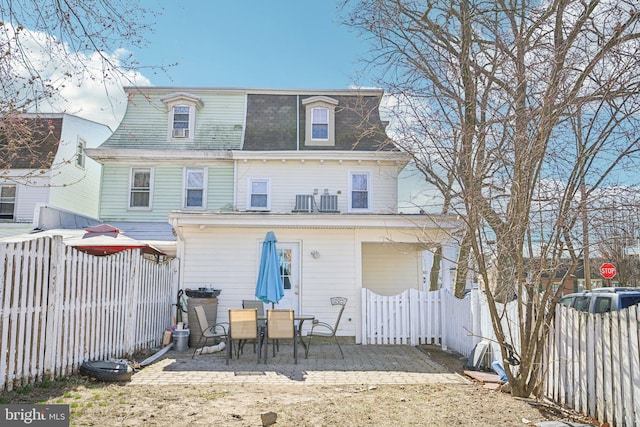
(592, 364)
(591, 361)
(60, 307)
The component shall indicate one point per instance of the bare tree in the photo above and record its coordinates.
(615, 223)
(517, 111)
(46, 45)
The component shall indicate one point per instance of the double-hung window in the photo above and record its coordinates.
(181, 115)
(258, 197)
(181, 120)
(194, 187)
(320, 123)
(360, 192)
(7, 202)
(140, 188)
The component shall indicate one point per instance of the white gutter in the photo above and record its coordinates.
(445, 223)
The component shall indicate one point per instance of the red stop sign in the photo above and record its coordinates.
(608, 270)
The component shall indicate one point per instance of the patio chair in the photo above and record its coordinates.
(325, 330)
(208, 332)
(258, 305)
(243, 325)
(280, 325)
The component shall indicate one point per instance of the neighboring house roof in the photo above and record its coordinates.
(158, 235)
(53, 218)
(29, 142)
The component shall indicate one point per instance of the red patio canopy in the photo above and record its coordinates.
(105, 239)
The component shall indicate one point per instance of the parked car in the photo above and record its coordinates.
(602, 300)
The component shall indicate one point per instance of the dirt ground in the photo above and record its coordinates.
(123, 404)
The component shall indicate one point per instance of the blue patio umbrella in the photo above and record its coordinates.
(269, 287)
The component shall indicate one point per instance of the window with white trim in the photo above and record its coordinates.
(140, 188)
(181, 121)
(194, 187)
(258, 194)
(359, 191)
(7, 202)
(181, 115)
(80, 156)
(320, 123)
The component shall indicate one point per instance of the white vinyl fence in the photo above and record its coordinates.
(60, 307)
(591, 361)
(436, 317)
(417, 317)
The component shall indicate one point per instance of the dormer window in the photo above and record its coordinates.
(181, 115)
(181, 109)
(320, 121)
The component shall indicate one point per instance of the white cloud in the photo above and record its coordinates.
(88, 86)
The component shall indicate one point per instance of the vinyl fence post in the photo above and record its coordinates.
(443, 321)
(365, 318)
(476, 318)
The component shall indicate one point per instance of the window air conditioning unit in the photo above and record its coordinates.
(328, 203)
(304, 203)
(180, 133)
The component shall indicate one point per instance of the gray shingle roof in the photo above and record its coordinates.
(277, 122)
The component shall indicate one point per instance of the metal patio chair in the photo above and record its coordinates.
(258, 305)
(280, 325)
(325, 330)
(243, 325)
(208, 332)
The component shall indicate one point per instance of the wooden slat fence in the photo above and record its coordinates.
(592, 364)
(60, 307)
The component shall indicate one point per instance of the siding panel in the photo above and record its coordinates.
(166, 194)
(219, 123)
(295, 177)
(386, 265)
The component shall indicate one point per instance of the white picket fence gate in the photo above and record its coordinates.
(417, 317)
(60, 307)
(591, 362)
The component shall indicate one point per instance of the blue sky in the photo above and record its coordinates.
(278, 44)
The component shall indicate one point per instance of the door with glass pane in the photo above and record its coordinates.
(288, 254)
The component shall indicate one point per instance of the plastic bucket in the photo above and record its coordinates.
(181, 339)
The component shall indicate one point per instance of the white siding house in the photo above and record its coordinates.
(222, 167)
(75, 180)
(53, 171)
(330, 255)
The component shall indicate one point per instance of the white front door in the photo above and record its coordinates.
(288, 253)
